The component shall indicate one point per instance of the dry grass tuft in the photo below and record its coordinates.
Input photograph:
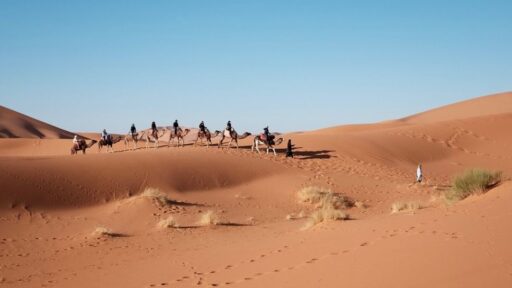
(405, 206)
(156, 195)
(325, 214)
(360, 205)
(473, 181)
(170, 222)
(328, 205)
(294, 216)
(103, 232)
(323, 197)
(209, 218)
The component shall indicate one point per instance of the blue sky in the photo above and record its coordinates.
(293, 65)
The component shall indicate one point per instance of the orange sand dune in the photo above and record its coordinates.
(51, 203)
(17, 125)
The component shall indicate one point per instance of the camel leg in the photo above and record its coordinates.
(257, 144)
(274, 149)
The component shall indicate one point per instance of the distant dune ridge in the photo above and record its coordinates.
(16, 125)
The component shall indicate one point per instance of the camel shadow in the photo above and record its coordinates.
(313, 154)
(182, 203)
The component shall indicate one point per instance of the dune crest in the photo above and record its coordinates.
(16, 125)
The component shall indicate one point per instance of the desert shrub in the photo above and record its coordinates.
(102, 231)
(323, 197)
(155, 195)
(209, 218)
(327, 213)
(169, 222)
(328, 205)
(405, 206)
(473, 181)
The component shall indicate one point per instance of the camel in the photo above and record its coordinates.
(134, 138)
(258, 140)
(179, 135)
(206, 136)
(109, 142)
(233, 136)
(154, 136)
(82, 146)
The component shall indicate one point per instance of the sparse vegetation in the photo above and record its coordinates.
(325, 214)
(405, 206)
(156, 195)
(169, 222)
(328, 205)
(360, 205)
(474, 181)
(294, 216)
(209, 218)
(323, 197)
(102, 231)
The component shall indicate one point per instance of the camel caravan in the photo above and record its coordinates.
(175, 136)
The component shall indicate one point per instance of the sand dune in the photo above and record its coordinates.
(17, 125)
(51, 205)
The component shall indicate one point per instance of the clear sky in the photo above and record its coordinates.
(293, 65)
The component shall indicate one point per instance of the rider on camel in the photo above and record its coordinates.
(76, 142)
(268, 136)
(202, 127)
(228, 126)
(153, 128)
(133, 130)
(176, 126)
(104, 135)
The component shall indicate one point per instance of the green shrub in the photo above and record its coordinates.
(472, 181)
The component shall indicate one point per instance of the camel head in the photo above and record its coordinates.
(278, 141)
(92, 143)
(245, 135)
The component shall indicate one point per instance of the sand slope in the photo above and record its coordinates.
(16, 125)
(51, 203)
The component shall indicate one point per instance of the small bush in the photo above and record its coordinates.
(328, 205)
(323, 197)
(405, 207)
(169, 222)
(209, 218)
(294, 216)
(325, 214)
(102, 231)
(472, 181)
(156, 195)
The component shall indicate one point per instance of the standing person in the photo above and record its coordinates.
(176, 126)
(419, 174)
(202, 127)
(289, 148)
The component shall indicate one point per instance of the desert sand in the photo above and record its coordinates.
(95, 220)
